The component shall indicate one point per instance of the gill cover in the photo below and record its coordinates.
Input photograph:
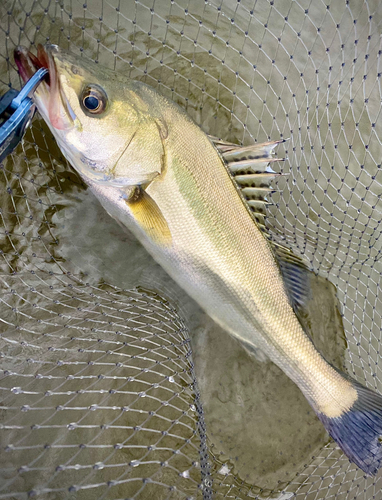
(144, 157)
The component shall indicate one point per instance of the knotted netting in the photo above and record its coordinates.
(114, 384)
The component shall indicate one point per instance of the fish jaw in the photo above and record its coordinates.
(48, 97)
(54, 107)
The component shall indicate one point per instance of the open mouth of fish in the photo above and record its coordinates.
(49, 97)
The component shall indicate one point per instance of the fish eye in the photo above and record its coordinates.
(93, 99)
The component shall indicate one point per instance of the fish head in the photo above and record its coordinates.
(105, 127)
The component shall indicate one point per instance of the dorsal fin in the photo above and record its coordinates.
(250, 168)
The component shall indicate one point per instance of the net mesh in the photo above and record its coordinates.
(99, 393)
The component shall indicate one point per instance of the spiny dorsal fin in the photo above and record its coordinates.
(250, 168)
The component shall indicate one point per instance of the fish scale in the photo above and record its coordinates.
(220, 257)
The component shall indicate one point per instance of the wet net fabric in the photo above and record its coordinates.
(99, 396)
(99, 412)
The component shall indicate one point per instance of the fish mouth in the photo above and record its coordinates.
(49, 97)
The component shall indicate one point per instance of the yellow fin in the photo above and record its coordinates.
(148, 215)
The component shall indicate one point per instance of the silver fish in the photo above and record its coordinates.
(192, 201)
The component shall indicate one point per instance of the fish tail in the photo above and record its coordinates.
(358, 431)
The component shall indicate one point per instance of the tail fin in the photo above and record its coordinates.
(358, 431)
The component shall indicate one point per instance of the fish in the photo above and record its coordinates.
(197, 204)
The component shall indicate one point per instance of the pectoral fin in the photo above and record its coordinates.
(149, 216)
